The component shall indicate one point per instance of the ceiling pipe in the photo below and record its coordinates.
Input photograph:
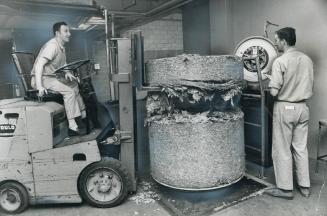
(47, 4)
(96, 8)
(165, 6)
(126, 13)
(145, 17)
(172, 4)
(157, 12)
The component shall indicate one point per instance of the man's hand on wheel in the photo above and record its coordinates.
(42, 91)
(71, 77)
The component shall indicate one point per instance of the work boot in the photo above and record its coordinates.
(75, 132)
(276, 192)
(304, 191)
(81, 123)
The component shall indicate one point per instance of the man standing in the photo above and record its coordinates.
(291, 84)
(51, 57)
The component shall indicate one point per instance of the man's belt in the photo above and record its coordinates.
(301, 101)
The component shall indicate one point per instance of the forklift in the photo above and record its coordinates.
(40, 165)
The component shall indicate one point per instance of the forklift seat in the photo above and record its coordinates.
(24, 62)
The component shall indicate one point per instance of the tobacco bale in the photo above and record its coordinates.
(157, 103)
(184, 68)
(200, 100)
(192, 99)
(198, 151)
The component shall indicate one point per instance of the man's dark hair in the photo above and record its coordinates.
(288, 34)
(56, 27)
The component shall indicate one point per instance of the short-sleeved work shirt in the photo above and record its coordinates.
(292, 76)
(55, 54)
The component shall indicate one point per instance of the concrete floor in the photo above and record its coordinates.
(128, 208)
(262, 205)
(265, 205)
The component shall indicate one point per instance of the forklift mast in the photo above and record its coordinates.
(128, 75)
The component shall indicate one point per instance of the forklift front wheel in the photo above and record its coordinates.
(13, 198)
(105, 184)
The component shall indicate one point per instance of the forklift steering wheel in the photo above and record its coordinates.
(72, 66)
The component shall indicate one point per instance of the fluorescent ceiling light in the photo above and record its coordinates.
(90, 22)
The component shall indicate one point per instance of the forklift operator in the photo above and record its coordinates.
(52, 56)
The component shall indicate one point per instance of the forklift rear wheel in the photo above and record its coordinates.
(13, 198)
(105, 184)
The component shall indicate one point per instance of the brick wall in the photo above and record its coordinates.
(162, 37)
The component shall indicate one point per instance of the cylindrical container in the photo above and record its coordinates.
(197, 152)
(193, 146)
(185, 68)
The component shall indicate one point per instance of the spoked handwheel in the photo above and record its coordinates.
(72, 66)
(105, 184)
(13, 198)
(256, 46)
